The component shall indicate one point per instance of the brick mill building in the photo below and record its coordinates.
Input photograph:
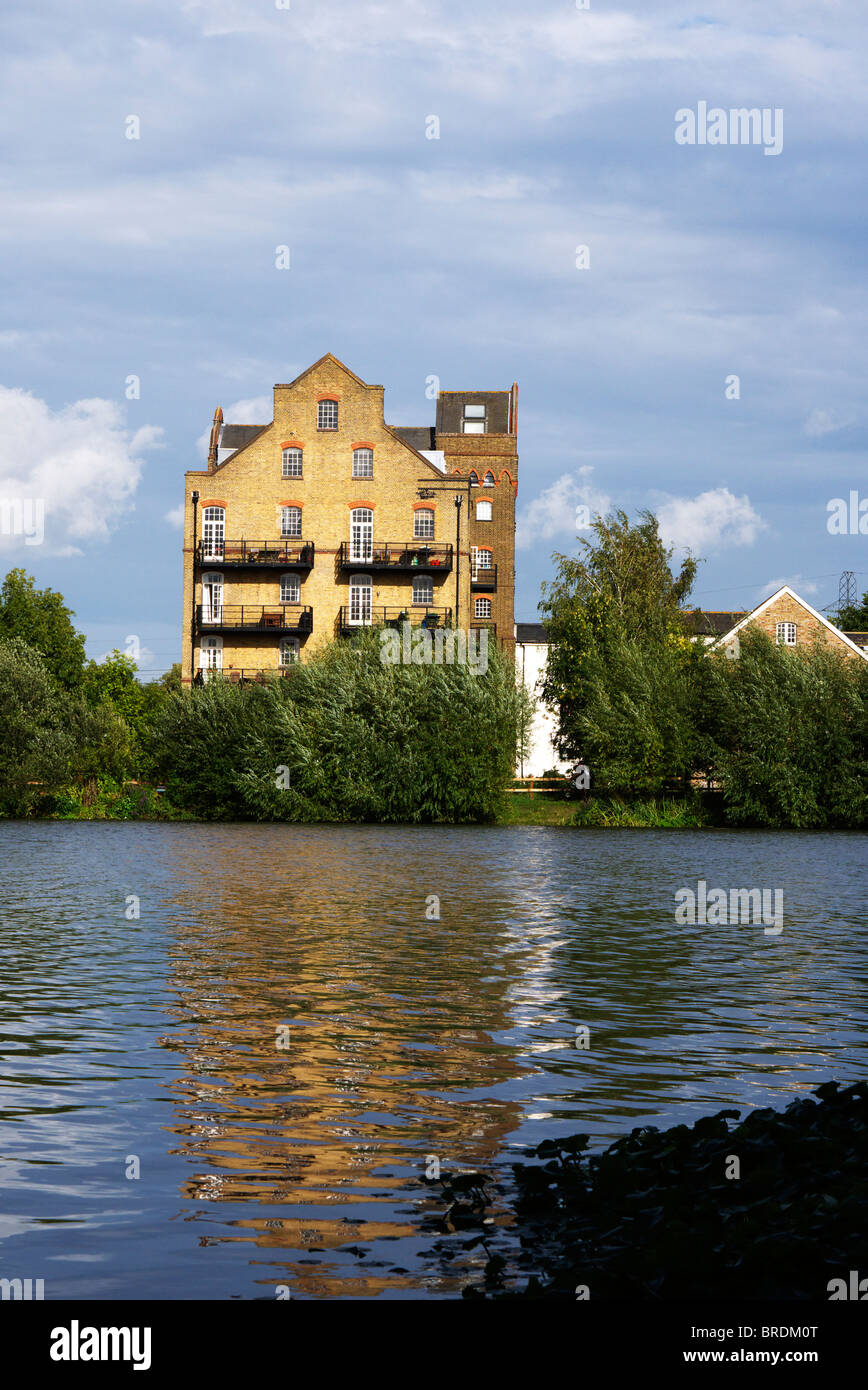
(326, 519)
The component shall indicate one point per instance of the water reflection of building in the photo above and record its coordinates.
(386, 1060)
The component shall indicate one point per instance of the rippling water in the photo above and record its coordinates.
(157, 1039)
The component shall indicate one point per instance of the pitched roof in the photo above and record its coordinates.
(710, 623)
(530, 632)
(785, 589)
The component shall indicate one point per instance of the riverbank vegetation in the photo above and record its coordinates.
(772, 1207)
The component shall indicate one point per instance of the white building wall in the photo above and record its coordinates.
(530, 661)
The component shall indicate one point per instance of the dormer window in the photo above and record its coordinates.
(474, 419)
(327, 415)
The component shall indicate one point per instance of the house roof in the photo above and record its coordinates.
(713, 622)
(785, 589)
(530, 632)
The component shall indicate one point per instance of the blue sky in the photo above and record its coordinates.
(454, 257)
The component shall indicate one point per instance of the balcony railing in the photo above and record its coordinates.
(282, 554)
(254, 617)
(482, 579)
(418, 556)
(240, 675)
(415, 614)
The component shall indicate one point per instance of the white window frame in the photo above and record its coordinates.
(363, 463)
(213, 532)
(288, 520)
(290, 582)
(292, 463)
(361, 535)
(482, 608)
(483, 510)
(211, 654)
(212, 597)
(420, 581)
(359, 608)
(786, 633)
(288, 645)
(327, 414)
(423, 530)
(474, 419)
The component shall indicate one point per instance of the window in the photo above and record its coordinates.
(290, 588)
(482, 608)
(361, 533)
(474, 419)
(474, 478)
(290, 521)
(360, 600)
(327, 415)
(423, 524)
(786, 634)
(212, 598)
(289, 649)
(213, 532)
(292, 461)
(488, 480)
(483, 511)
(363, 463)
(483, 559)
(423, 589)
(211, 654)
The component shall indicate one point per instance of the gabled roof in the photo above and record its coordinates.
(712, 622)
(785, 589)
(328, 357)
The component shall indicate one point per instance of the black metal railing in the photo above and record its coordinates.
(482, 578)
(397, 555)
(254, 617)
(237, 676)
(417, 615)
(287, 554)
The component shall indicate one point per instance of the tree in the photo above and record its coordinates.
(853, 619)
(36, 743)
(42, 620)
(620, 670)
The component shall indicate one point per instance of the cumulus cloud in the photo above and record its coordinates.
(708, 522)
(176, 516)
(805, 587)
(79, 464)
(553, 512)
(821, 422)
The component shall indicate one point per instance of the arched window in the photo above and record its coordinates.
(482, 608)
(290, 521)
(488, 480)
(292, 463)
(213, 532)
(474, 478)
(290, 588)
(363, 463)
(423, 589)
(289, 650)
(211, 655)
(327, 415)
(423, 524)
(361, 534)
(360, 600)
(483, 511)
(212, 598)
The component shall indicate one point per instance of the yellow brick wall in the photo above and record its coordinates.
(253, 490)
(787, 609)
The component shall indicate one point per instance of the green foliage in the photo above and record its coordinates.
(853, 619)
(785, 734)
(665, 813)
(42, 620)
(362, 740)
(35, 741)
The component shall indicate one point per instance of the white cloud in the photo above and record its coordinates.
(795, 581)
(553, 513)
(176, 516)
(256, 410)
(821, 422)
(80, 462)
(711, 521)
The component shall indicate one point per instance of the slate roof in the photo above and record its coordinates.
(530, 632)
(712, 623)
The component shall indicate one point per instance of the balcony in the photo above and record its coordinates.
(282, 554)
(241, 675)
(416, 616)
(483, 580)
(278, 618)
(416, 556)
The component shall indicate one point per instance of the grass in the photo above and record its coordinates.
(664, 813)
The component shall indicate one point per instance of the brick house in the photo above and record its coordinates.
(326, 519)
(789, 620)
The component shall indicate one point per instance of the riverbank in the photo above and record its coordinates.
(773, 1207)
